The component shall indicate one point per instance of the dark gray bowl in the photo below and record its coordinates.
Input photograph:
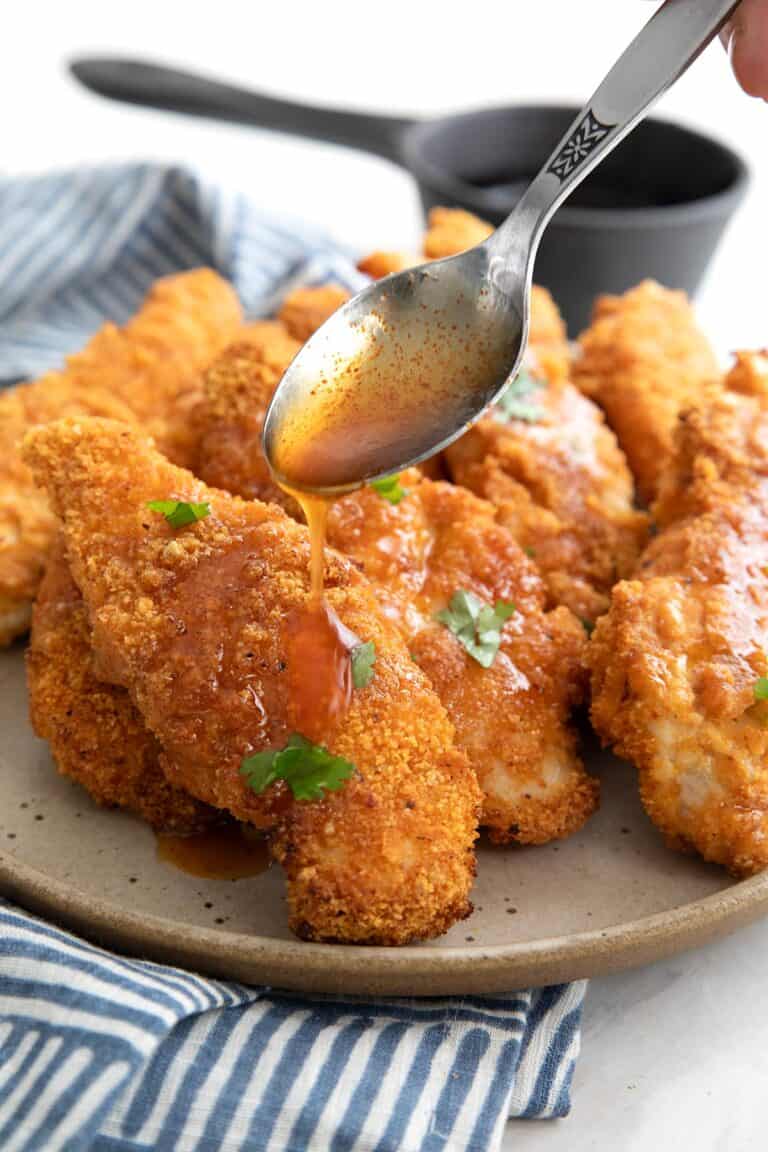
(656, 207)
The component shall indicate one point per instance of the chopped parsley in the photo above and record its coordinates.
(308, 769)
(514, 402)
(390, 488)
(180, 512)
(477, 626)
(761, 688)
(363, 657)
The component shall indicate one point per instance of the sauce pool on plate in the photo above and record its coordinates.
(226, 852)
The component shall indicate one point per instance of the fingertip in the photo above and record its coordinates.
(746, 42)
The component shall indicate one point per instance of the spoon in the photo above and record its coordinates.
(403, 368)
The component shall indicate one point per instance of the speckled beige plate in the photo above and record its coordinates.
(610, 897)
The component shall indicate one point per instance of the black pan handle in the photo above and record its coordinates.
(155, 86)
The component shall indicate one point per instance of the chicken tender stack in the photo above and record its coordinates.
(192, 623)
(677, 663)
(511, 718)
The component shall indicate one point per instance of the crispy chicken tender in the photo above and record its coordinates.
(96, 735)
(305, 309)
(512, 719)
(149, 371)
(644, 360)
(193, 624)
(561, 485)
(675, 661)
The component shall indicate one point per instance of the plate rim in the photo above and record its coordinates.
(299, 966)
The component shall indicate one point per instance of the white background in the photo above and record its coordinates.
(674, 1056)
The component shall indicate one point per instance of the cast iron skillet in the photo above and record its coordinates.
(656, 207)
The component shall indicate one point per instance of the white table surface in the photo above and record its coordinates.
(674, 1056)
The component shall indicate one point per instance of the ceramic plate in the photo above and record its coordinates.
(609, 897)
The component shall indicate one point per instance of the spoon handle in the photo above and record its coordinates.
(665, 47)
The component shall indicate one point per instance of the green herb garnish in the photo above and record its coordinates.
(308, 769)
(363, 657)
(477, 626)
(587, 625)
(761, 688)
(513, 403)
(180, 512)
(390, 488)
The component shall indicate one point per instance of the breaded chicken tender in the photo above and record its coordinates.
(513, 718)
(560, 484)
(192, 622)
(644, 360)
(676, 661)
(147, 372)
(305, 309)
(95, 734)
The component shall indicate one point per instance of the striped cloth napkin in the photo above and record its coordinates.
(107, 1054)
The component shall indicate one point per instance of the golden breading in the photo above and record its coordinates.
(193, 623)
(676, 660)
(305, 309)
(95, 734)
(149, 371)
(512, 718)
(644, 360)
(561, 485)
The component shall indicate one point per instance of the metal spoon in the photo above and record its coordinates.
(402, 369)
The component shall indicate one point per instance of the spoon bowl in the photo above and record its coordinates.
(434, 344)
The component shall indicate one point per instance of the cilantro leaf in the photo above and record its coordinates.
(761, 688)
(363, 657)
(390, 488)
(308, 769)
(477, 626)
(180, 512)
(513, 403)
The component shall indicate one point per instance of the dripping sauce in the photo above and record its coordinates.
(318, 644)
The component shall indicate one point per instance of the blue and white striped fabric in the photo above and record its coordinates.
(103, 1054)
